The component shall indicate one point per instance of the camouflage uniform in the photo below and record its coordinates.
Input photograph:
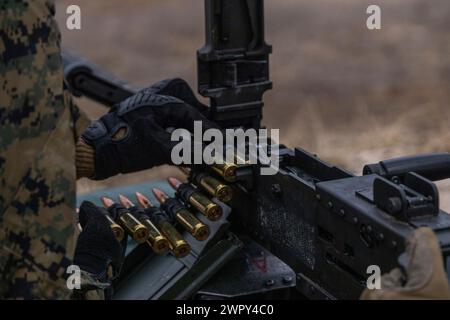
(39, 126)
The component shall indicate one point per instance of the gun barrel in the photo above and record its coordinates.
(84, 78)
(434, 166)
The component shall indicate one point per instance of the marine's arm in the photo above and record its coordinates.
(133, 136)
(37, 174)
(40, 125)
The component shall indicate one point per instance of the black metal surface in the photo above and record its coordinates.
(329, 227)
(233, 65)
(254, 271)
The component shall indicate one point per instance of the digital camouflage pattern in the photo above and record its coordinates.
(39, 126)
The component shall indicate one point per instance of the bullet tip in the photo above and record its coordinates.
(159, 195)
(174, 182)
(107, 202)
(125, 201)
(143, 201)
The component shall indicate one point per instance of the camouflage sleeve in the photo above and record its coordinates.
(80, 119)
(37, 150)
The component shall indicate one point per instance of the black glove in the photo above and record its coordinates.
(180, 89)
(97, 247)
(133, 136)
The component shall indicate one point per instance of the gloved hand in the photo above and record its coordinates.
(425, 275)
(180, 89)
(133, 136)
(98, 252)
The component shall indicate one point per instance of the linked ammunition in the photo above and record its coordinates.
(143, 201)
(118, 231)
(156, 241)
(178, 212)
(199, 201)
(226, 171)
(210, 184)
(178, 246)
(136, 229)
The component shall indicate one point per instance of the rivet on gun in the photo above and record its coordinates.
(287, 279)
(355, 220)
(395, 180)
(342, 213)
(394, 244)
(330, 204)
(276, 189)
(369, 229)
(381, 237)
(269, 283)
(318, 196)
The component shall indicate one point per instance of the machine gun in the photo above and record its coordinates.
(311, 230)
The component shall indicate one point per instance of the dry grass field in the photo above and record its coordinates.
(348, 94)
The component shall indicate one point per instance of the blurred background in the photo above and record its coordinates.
(349, 94)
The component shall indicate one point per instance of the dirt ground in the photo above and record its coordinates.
(350, 95)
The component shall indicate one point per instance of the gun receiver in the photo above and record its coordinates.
(329, 225)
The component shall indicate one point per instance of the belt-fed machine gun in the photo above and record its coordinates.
(313, 229)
